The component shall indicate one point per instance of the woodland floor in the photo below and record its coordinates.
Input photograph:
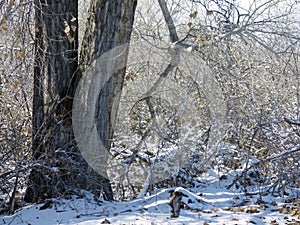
(209, 202)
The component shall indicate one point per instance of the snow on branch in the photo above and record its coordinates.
(292, 121)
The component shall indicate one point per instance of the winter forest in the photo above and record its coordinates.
(149, 112)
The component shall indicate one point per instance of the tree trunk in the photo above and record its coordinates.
(109, 26)
(58, 167)
(55, 67)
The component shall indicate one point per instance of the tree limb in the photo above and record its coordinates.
(292, 121)
(169, 20)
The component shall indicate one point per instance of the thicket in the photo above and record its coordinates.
(253, 58)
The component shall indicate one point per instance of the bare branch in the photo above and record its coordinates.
(292, 121)
(169, 20)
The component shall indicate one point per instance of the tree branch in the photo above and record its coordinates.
(292, 121)
(169, 20)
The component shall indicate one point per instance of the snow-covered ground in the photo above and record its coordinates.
(209, 203)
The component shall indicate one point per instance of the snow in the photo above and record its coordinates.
(211, 203)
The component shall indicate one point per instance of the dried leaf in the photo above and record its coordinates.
(251, 209)
(239, 60)
(4, 24)
(273, 203)
(274, 222)
(67, 28)
(73, 19)
(15, 84)
(11, 2)
(209, 12)
(17, 32)
(73, 27)
(215, 209)
(189, 49)
(21, 8)
(22, 53)
(70, 39)
(194, 15)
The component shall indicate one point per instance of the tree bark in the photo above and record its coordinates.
(109, 26)
(58, 167)
(55, 67)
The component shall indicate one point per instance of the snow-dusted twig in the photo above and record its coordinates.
(281, 156)
(292, 121)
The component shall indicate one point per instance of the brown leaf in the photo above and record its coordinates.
(70, 39)
(4, 24)
(15, 84)
(215, 209)
(251, 209)
(274, 222)
(273, 203)
(194, 15)
(67, 28)
(73, 27)
(209, 12)
(22, 53)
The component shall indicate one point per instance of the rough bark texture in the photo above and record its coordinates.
(109, 25)
(59, 169)
(55, 66)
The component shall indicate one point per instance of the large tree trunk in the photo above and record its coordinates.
(55, 66)
(109, 26)
(54, 72)
(58, 167)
